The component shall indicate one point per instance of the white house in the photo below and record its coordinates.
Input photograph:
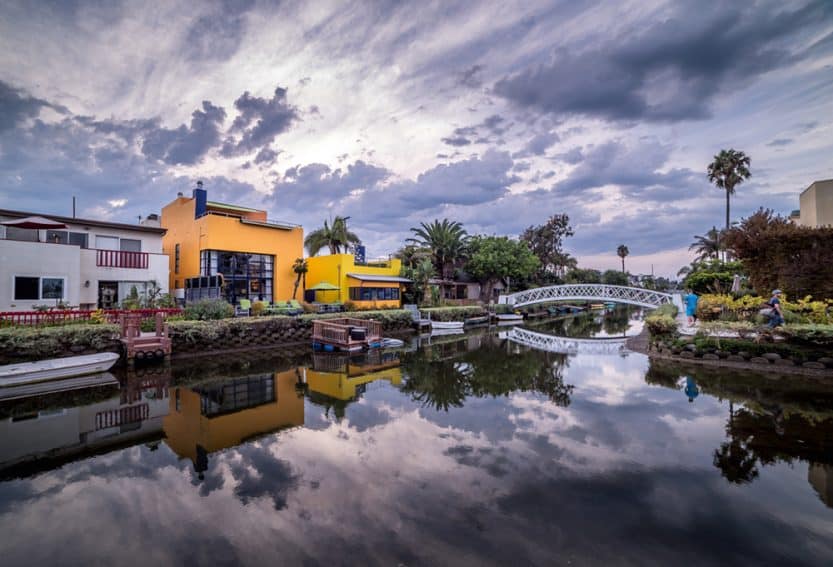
(88, 264)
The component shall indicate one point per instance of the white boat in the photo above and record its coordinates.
(54, 386)
(444, 325)
(56, 369)
(388, 342)
(510, 317)
(443, 332)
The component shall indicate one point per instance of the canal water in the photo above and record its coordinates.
(473, 449)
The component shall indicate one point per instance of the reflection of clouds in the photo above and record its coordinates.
(510, 479)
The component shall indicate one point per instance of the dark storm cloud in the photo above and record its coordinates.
(485, 132)
(259, 121)
(266, 156)
(316, 184)
(540, 143)
(780, 142)
(187, 145)
(457, 141)
(17, 105)
(671, 70)
(470, 77)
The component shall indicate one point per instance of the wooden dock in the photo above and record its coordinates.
(346, 334)
(144, 346)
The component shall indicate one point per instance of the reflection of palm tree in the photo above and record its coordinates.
(736, 462)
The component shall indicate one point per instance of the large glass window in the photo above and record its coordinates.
(34, 288)
(176, 259)
(245, 275)
(26, 288)
(131, 245)
(66, 237)
(374, 293)
(106, 242)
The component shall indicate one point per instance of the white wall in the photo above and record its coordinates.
(42, 260)
(157, 270)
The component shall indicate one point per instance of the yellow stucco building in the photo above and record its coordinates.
(816, 204)
(374, 285)
(222, 250)
(344, 378)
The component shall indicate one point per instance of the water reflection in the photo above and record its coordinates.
(459, 450)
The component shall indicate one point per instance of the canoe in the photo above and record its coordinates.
(56, 368)
(446, 324)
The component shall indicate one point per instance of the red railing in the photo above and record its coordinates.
(121, 259)
(57, 317)
(121, 416)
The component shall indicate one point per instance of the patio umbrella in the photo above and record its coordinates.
(35, 223)
(323, 286)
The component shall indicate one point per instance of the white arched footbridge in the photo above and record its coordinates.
(588, 292)
(563, 345)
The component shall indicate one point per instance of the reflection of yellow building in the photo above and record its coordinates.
(374, 285)
(207, 418)
(344, 378)
(820, 477)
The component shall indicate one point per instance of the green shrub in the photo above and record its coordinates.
(208, 310)
(34, 343)
(453, 313)
(661, 326)
(258, 307)
(668, 309)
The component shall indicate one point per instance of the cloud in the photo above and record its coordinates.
(470, 77)
(780, 142)
(670, 70)
(186, 145)
(540, 143)
(217, 35)
(259, 122)
(457, 141)
(16, 106)
(316, 184)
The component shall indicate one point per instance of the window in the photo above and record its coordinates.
(374, 293)
(24, 234)
(34, 288)
(26, 288)
(130, 245)
(65, 237)
(176, 259)
(107, 242)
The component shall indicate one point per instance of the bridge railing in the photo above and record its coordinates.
(588, 292)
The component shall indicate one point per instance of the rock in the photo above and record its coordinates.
(771, 356)
(817, 365)
(687, 354)
(758, 360)
(692, 347)
(735, 358)
(826, 360)
(77, 348)
(784, 362)
(722, 354)
(686, 339)
(710, 356)
(745, 355)
(675, 350)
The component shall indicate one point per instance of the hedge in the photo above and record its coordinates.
(35, 343)
(453, 313)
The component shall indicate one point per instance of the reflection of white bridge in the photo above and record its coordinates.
(588, 292)
(564, 345)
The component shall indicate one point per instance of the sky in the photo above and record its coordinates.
(494, 114)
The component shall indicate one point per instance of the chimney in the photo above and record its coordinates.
(178, 195)
(200, 201)
(151, 220)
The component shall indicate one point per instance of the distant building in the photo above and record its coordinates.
(236, 252)
(816, 204)
(372, 285)
(86, 263)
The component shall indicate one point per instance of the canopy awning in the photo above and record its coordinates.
(34, 223)
(375, 278)
(323, 286)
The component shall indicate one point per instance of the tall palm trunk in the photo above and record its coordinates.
(623, 264)
(725, 252)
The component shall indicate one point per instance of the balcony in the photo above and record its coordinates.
(121, 259)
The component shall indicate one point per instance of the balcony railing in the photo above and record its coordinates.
(121, 259)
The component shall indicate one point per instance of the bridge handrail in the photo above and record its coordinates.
(588, 292)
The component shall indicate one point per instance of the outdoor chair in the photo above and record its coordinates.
(243, 308)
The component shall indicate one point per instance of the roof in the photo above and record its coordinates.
(272, 224)
(90, 222)
(375, 278)
(218, 205)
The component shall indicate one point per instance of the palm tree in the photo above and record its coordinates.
(334, 237)
(728, 170)
(411, 255)
(447, 241)
(707, 246)
(300, 268)
(622, 251)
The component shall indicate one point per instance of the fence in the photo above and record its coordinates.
(59, 317)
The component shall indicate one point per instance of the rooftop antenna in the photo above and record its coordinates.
(73, 206)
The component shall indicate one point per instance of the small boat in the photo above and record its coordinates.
(33, 389)
(477, 320)
(510, 317)
(443, 332)
(446, 325)
(56, 368)
(597, 306)
(388, 342)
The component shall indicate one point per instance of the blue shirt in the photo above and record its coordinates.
(691, 302)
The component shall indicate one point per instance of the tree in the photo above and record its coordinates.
(707, 247)
(447, 241)
(545, 241)
(728, 170)
(411, 254)
(420, 274)
(335, 237)
(493, 258)
(300, 268)
(580, 275)
(614, 277)
(622, 251)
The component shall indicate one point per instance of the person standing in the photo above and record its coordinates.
(776, 318)
(691, 300)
